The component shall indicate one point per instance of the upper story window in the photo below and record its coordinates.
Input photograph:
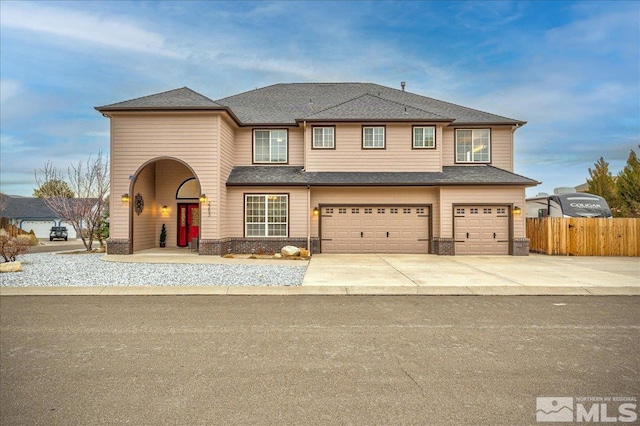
(473, 145)
(324, 137)
(424, 136)
(373, 137)
(269, 146)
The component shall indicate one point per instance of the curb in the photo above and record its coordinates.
(319, 291)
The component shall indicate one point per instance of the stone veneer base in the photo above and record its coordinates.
(253, 245)
(443, 246)
(119, 246)
(520, 247)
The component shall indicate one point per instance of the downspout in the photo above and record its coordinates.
(304, 145)
(513, 131)
(309, 218)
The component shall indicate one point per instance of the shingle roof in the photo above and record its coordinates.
(26, 208)
(183, 98)
(288, 103)
(371, 107)
(450, 175)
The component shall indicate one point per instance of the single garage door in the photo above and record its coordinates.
(375, 229)
(481, 229)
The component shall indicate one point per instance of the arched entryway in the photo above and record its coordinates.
(164, 192)
(188, 227)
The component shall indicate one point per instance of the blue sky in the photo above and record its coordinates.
(570, 69)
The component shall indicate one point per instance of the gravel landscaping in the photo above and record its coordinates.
(73, 270)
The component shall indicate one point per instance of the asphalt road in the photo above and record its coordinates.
(310, 360)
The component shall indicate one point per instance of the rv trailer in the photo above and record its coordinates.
(567, 205)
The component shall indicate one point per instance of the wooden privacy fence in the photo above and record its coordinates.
(584, 237)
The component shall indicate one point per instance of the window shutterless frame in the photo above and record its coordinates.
(423, 137)
(472, 146)
(270, 146)
(323, 137)
(374, 137)
(266, 215)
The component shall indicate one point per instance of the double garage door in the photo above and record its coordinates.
(41, 228)
(375, 229)
(481, 229)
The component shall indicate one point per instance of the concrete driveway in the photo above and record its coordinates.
(472, 272)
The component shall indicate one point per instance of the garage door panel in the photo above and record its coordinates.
(481, 230)
(388, 229)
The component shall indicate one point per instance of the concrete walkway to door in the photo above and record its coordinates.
(431, 274)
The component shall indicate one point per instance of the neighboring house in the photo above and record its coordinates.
(334, 167)
(29, 213)
(584, 187)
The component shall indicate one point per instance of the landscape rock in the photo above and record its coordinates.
(290, 251)
(11, 267)
(277, 255)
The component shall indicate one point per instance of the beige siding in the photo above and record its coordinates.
(348, 154)
(244, 146)
(139, 139)
(298, 210)
(144, 224)
(378, 196)
(468, 195)
(501, 147)
(226, 159)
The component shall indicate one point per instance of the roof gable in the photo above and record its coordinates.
(370, 107)
(183, 98)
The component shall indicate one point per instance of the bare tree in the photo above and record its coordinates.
(89, 181)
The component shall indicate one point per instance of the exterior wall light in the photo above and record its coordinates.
(124, 198)
(203, 198)
(316, 211)
(517, 210)
(165, 209)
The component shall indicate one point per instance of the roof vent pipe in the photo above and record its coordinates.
(402, 84)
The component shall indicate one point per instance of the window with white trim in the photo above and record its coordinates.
(473, 145)
(266, 215)
(373, 137)
(424, 137)
(324, 137)
(269, 146)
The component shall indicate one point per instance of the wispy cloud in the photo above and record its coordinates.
(568, 68)
(90, 28)
(8, 89)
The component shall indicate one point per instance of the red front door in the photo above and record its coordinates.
(188, 223)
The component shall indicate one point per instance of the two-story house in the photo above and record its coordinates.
(334, 167)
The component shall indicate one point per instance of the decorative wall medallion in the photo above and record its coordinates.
(139, 204)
